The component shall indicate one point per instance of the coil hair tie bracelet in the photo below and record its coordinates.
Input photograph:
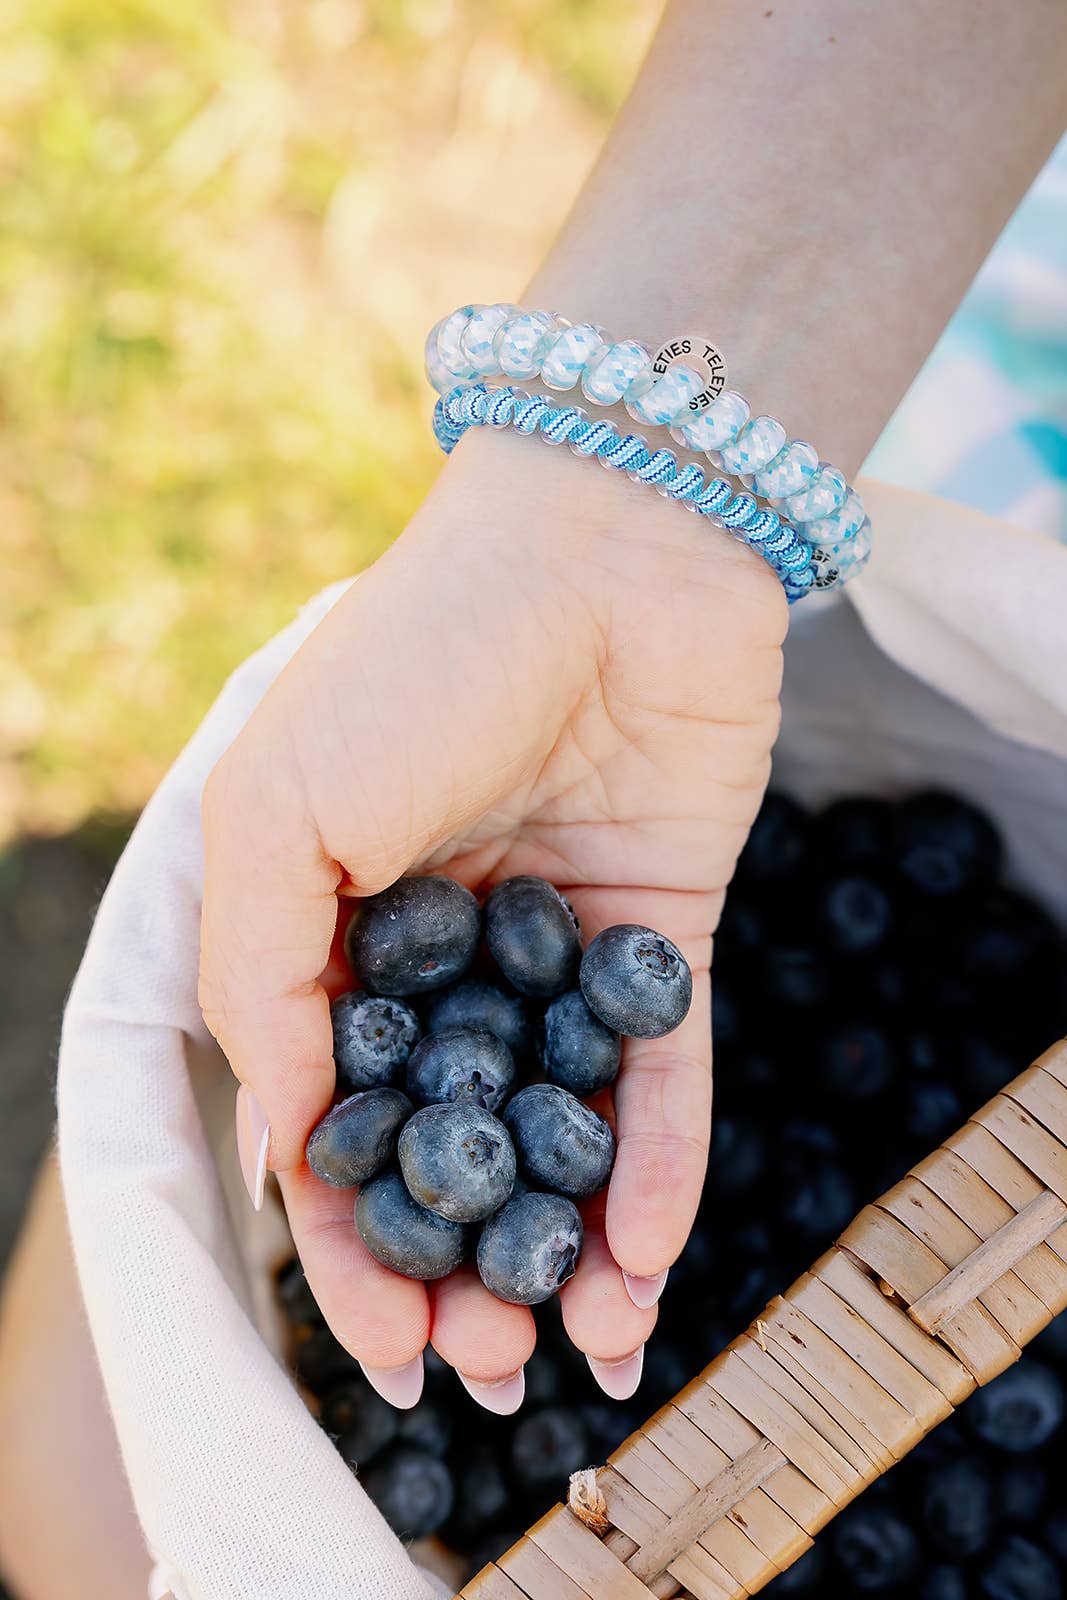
(663, 389)
(479, 405)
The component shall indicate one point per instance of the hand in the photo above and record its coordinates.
(552, 671)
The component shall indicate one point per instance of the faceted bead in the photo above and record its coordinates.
(755, 446)
(615, 371)
(565, 357)
(841, 525)
(436, 371)
(668, 399)
(844, 561)
(717, 426)
(450, 342)
(479, 336)
(857, 552)
(789, 472)
(825, 492)
(520, 341)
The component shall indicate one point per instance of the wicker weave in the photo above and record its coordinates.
(933, 1290)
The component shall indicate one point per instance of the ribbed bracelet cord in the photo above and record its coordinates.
(478, 405)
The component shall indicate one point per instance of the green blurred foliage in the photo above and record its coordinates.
(223, 233)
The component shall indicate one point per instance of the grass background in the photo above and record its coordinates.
(224, 231)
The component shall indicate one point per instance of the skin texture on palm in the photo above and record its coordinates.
(553, 673)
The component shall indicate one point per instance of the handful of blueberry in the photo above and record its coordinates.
(873, 982)
(451, 1155)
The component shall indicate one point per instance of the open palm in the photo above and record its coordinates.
(552, 673)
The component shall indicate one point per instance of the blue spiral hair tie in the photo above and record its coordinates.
(781, 546)
(784, 477)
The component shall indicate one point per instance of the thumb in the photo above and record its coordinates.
(396, 725)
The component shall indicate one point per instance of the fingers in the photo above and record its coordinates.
(662, 1096)
(663, 1122)
(267, 925)
(487, 1341)
(600, 1317)
(381, 1318)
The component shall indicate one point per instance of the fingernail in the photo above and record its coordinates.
(619, 1379)
(401, 1386)
(503, 1397)
(644, 1292)
(253, 1142)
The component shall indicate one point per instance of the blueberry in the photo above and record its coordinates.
(1020, 1570)
(664, 1373)
(944, 846)
(636, 981)
(795, 976)
(856, 913)
(607, 1424)
(579, 1052)
(777, 843)
(875, 1549)
(319, 1361)
(958, 1507)
(741, 929)
(425, 1427)
(472, 1004)
(530, 1248)
(343, 1405)
(483, 1494)
(533, 936)
(933, 1112)
(457, 1160)
(470, 1065)
(412, 1489)
(547, 1447)
(858, 1060)
(419, 934)
(561, 1144)
(1005, 937)
(819, 1204)
(1022, 1492)
(1020, 1410)
(738, 1155)
(543, 1375)
(854, 832)
(984, 1065)
(360, 1420)
(403, 1235)
(358, 1137)
(943, 1583)
(372, 1039)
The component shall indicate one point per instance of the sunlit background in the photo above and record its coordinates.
(224, 230)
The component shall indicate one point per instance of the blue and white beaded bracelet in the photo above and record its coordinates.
(478, 342)
(799, 566)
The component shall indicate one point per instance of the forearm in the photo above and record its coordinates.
(813, 184)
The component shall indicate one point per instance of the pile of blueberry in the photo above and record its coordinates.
(478, 1167)
(874, 981)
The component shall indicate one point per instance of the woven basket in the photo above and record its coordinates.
(933, 1290)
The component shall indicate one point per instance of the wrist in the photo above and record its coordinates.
(557, 507)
